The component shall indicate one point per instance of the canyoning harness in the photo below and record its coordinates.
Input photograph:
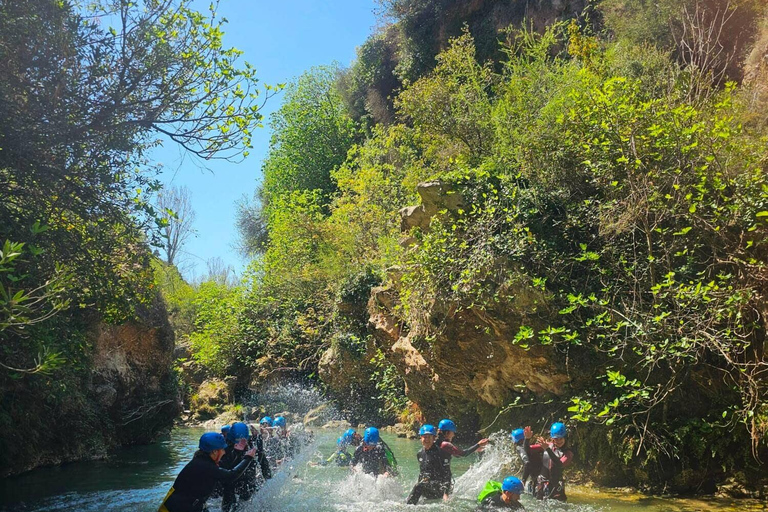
(546, 490)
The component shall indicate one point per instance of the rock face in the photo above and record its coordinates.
(469, 367)
(133, 377)
(121, 390)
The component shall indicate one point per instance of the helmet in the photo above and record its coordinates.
(239, 430)
(512, 484)
(349, 436)
(517, 435)
(211, 441)
(557, 430)
(447, 426)
(341, 442)
(371, 435)
(267, 420)
(225, 429)
(279, 422)
(427, 430)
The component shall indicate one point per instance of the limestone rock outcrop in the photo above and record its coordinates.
(464, 363)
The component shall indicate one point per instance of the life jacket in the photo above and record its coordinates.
(491, 487)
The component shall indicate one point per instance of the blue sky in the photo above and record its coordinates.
(281, 39)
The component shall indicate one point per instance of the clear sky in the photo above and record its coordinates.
(281, 39)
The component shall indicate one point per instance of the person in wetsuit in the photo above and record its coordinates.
(505, 495)
(531, 461)
(555, 457)
(434, 469)
(241, 438)
(446, 431)
(286, 447)
(370, 456)
(196, 482)
(342, 457)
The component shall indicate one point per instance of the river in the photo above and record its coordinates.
(136, 479)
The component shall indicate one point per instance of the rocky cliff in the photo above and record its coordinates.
(118, 389)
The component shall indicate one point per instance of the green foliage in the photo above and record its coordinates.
(216, 339)
(311, 135)
(390, 386)
(658, 256)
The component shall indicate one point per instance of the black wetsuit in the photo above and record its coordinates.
(243, 487)
(434, 475)
(494, 501)
(550, 482)
(531, 462)
(374, 461)
(196, 482)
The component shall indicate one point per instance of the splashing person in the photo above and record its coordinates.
(341, 457)
(435, 480)
(196, 482)
(531, 461)
(240, 439)
(371, 457)
(270, 440)
(446, 431)
(285, 445)
(555, 457)
(504, 495)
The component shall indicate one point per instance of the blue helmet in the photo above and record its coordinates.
(349, 436)
(279, 422)
(447, 426)
(267, 420)
(371, 435)
(427, 430)
(239, 430)
(512, 484)
(341, 442)
(211, 441)
(518, 435)
(557, 430)
(225, 429)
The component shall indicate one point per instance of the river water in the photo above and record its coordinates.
(136, 479)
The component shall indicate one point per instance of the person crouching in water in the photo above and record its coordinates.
(504, 495)
(196, 482)
(342, 457)
(531, 461)
(434, 469)
(555, 457)
(446, 431)
(370, 456)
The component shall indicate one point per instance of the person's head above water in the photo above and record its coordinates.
(511, 489)
(427, 433)
(213, 444)
(517, 435)
(371, 437)
(558, 433)
(351, 437)
(447, 429)
(238, 435)
(266, 421)
(279, 422)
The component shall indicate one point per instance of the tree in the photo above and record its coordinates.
(175, 205)
(312, 133)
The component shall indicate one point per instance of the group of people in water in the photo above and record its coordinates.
(228, 464)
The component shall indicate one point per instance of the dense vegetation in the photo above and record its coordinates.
(607, 167)
(82, 103)
(609, 163)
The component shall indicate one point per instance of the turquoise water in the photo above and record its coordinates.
(136, 479)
